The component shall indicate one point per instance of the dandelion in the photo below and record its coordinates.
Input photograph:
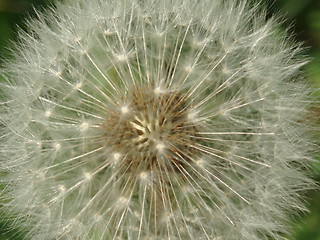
(153, 120)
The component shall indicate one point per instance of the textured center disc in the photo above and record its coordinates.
(152, 130)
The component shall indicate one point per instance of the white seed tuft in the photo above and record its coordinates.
(48, 113)
(57, 146)
(124, 109)
(88, 176)
(160, 146)
(84, 126)
(116, 156)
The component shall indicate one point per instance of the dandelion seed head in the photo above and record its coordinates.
(154, 120)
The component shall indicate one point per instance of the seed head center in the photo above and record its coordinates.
(154, 131)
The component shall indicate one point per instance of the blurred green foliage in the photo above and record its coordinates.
(303, 16)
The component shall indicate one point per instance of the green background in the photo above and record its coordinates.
(302, 16)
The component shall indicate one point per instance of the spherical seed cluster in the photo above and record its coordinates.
(153, 120)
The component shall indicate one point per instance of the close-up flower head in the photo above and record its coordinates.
(154, 120)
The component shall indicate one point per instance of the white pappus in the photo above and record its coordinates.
(154, 120)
